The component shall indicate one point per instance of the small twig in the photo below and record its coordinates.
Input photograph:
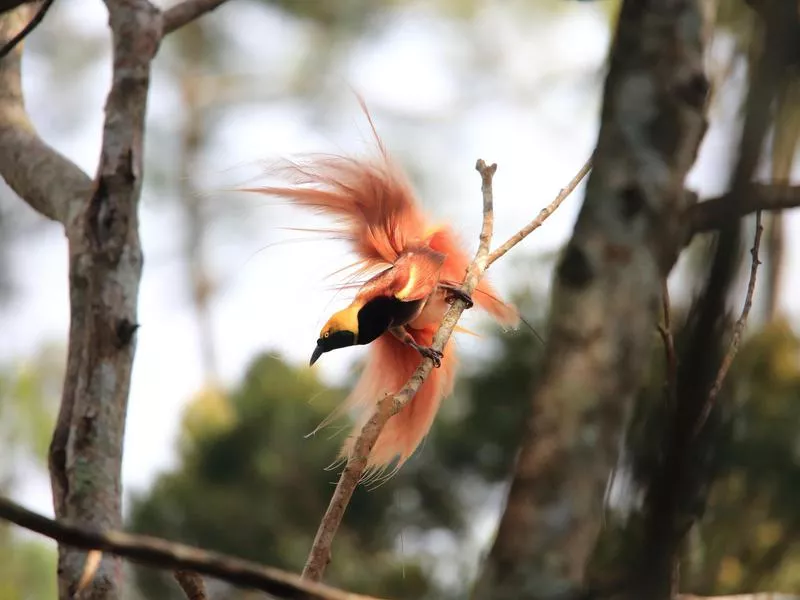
(186, 12)
(665, 330)
(163, 554)
(542, 216)
(191, 583)
(320, 553)
(32, 24)
(738, 328)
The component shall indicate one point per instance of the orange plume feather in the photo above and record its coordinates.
(375, 208)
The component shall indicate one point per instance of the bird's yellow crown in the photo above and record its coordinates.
(343, 320)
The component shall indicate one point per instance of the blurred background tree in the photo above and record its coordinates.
(29, 395)
(244, 479)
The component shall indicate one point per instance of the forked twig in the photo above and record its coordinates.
(388, 406)
(738, 329)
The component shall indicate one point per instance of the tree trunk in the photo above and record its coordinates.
(605, 302)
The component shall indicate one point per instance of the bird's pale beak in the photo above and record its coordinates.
(317, 353)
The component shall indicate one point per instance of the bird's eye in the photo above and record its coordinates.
(326, 334)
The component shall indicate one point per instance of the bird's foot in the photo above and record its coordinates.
(454, 293)
(428, 352)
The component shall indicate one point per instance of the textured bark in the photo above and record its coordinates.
(105, 260)
(605, 302)
(669, 463)
(100, 218)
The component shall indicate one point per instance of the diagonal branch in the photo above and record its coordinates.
(162, 554)
(708, 215)
(187, 11)
(388, 406)
(738, 328)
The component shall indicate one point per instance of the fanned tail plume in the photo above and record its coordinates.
(444, 240)
(374, 206)
(389, 366)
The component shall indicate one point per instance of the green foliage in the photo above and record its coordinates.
(29, 393)
(250, 484)
(748, 534)
(27, 568)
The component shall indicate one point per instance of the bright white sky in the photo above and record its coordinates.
(276, 299)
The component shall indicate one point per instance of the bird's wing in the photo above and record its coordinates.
(371, 199)
(416, 274)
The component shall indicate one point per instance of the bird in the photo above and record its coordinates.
(413, 267)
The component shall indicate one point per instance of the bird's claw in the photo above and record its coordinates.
(434, 355)
(454, 294)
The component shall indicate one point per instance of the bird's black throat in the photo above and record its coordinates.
(340, 339)
(379, 314)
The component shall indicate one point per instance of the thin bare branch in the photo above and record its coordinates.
(191, 583)
(186, 12)
(738, 328)
(670, 359)
(388, 406)
(163, 554)
(709, 214)
(563, 194)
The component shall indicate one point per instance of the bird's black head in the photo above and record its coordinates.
(340, 331)
(332, 341)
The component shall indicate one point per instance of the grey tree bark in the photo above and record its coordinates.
(605, 302)
(603, 318)
(100, 219)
